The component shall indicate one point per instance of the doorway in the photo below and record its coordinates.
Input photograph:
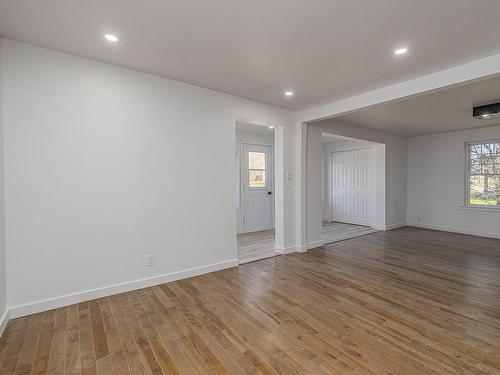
(255, 191)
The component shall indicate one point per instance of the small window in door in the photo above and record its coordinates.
(256, 169)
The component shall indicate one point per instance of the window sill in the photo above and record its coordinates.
(477, 208)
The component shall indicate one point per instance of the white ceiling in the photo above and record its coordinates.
(323, 50)
(436, 112)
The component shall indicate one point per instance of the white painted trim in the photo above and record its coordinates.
(394, 226)
(3, 321)
(390, 226)
(456, 230)
(315, 244)
(70, 299)
(479, 208)
(286, 250)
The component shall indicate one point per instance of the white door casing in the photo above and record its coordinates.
(351, 186)
(257, 181)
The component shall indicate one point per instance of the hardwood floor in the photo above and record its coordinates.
(334, 231)
(407, 301)
(256, 245)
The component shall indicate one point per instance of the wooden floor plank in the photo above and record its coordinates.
(41, 364)
(87, 358)
(408, 301)
(58, 344)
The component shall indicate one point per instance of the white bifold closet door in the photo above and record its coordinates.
(351, 186)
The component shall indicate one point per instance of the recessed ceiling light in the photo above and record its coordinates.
(271, 127)
(111, 38)
(288, 93)
(400, 51)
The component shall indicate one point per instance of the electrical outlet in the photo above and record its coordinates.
(150, 260)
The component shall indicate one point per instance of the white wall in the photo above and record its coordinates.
(3, 279)
(105, 165)
(253, 138)
(314, 208)
(436, 183)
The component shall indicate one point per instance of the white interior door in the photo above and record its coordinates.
(351, 186)
(340, 187)
(360, 188)
(257, 179)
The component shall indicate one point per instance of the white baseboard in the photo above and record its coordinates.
(394, 226)
(4, 319)
(315, 244)
(456, 230)
(70, 299)
(286, 250)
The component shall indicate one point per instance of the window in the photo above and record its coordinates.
(256, 169)
(483, 174)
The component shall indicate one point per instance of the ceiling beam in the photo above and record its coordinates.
(473, 71)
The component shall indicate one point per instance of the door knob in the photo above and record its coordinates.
(269, 192)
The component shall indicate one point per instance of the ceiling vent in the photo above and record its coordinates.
(486, 112)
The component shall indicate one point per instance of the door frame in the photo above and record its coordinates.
(243, 159)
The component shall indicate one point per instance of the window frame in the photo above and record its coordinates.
(265, 170)
(468, 175)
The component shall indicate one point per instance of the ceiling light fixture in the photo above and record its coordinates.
(288, 93)
(271, 127)
(400, 51)
(486, 112)
(111, 38)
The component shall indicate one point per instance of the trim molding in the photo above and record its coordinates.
(286, 250)
(3, 321)
(70, 299)
(315, 244)
(394, 226)
(456, 230)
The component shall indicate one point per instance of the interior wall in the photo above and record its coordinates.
(253, 138)
(436, 183)
(314, 208)
(3, 278)
(105, 166)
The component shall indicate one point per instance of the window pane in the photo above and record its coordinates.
(256, 160)
(475, 151)
(488, 149)
(484, 190)
(475, 167)
(257, 179)
(488, 166)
